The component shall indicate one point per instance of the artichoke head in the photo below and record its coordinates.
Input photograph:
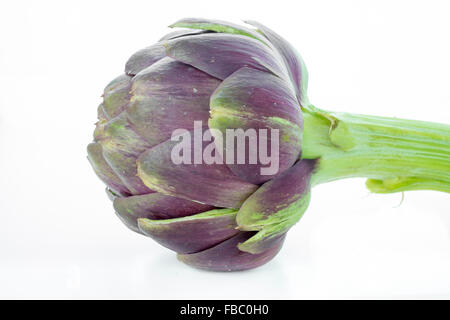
(208, 77)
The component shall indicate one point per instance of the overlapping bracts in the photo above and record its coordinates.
(220, 216)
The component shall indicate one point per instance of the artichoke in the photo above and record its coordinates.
(214, 76)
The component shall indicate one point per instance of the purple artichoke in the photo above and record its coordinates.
(213, 76)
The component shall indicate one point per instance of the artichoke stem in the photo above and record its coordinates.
(395, 154)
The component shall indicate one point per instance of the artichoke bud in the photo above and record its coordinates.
(207, 78)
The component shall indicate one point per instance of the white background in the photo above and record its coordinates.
(59, 237)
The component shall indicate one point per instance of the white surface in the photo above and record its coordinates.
(59, 237)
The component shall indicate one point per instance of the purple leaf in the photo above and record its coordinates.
(292, 59)
(220, 54)
(259, 102)
(212, 184)
(194, 233)
(169, 95)
(227, 257)
(155, 206)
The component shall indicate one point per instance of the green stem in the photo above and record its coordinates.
(395, 154)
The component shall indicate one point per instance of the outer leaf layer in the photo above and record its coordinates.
(121, 147)
(227, 257)
(294, 62)
(169, 95)
(155, 206)
(220, 54)
(103, 170)
(276, 206)
(217, 26)
(182, 33)
(212, 184)
(144, 58)
(252, 100)
(116, 96)
(194, 233)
